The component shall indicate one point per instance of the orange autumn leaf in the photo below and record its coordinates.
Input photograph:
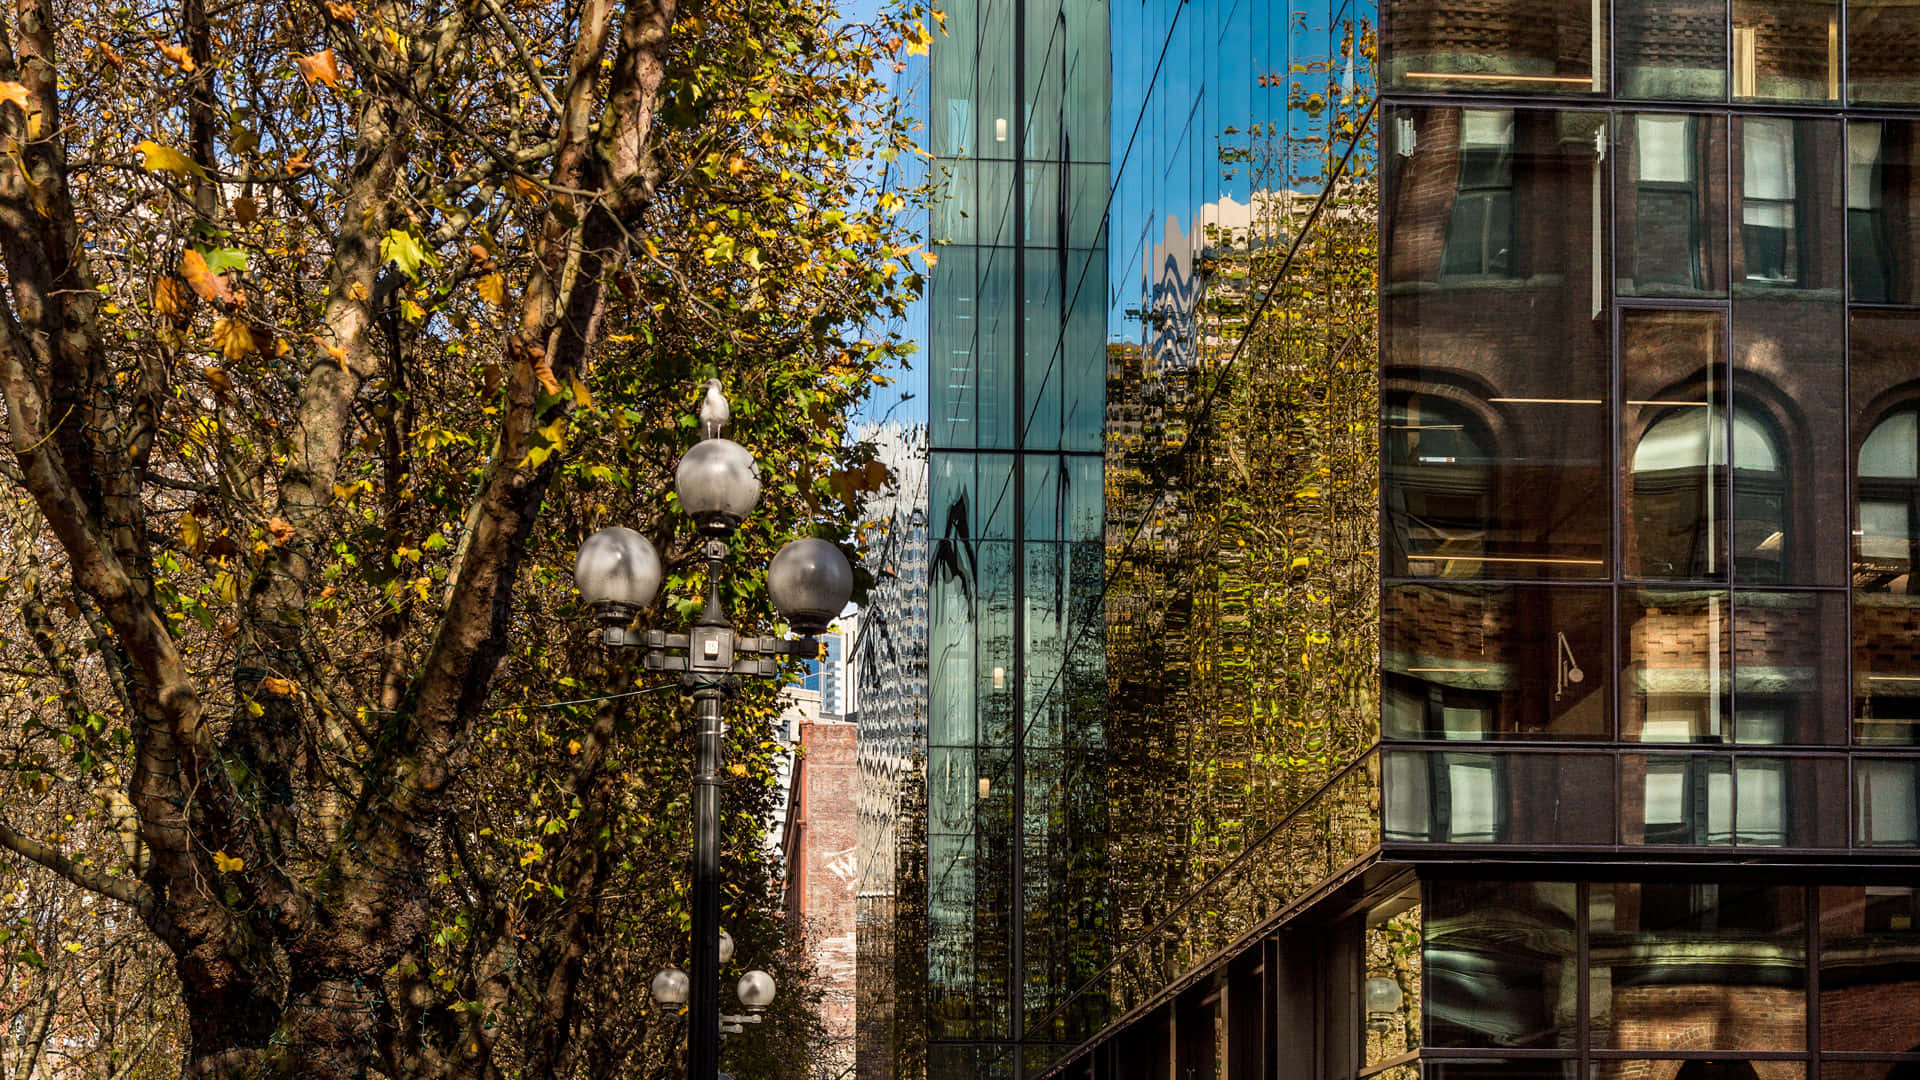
(321, 67)
(334, 352)
(206, 284)
(179, 55)
(280, 530)
(14, 92)
(172, 300)
(344, 12)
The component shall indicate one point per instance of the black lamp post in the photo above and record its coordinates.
(809, 581)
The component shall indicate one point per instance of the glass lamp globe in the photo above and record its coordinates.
(670, 986)
(1383, 995)
(618, 574)
(755, 989)
(810, 582)
(726, 947)
(719, 485)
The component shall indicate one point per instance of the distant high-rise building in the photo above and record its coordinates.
(889, 660)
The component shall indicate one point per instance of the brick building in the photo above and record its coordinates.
(818, 845)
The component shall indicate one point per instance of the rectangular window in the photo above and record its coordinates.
(1886, 805)
(1786, 50)
(1502, 470)
(1480, 230)
(1697, 966)
(1499, 960)
(1671, 50)
(1526, 46)
(1880, 67)
(1674, 435)
(1767, 228)
(1868, 249)
(1502, 662)
(1673, 233)
(1869, 973)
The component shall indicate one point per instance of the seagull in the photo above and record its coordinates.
(714, 412)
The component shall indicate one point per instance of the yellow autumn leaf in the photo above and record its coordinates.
(581, 396)
(493, 289)
(227, 864)
(14, 92)
(919, 40)
(167, 159)
(234, 339)
(274, 684)
(191, 533)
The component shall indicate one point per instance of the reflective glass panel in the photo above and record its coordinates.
(1672, 50)
(1500, 964)
(1831, 1069)
(1787, 442)
(1786, 50)
(1883, 191)
(1699, 1069)
(1674, 436)
(1543, 48)
(1789, 667)
(1717, 800)
(1886, 802)
(1670, 204)
(1494, 464)
(1497, 798)
(1494, 1069)
(1697, 966)
(1869, 969)
(1677, 685)
(1880, 67)
(1495, 662)
(1886, 465)
(1787, 196)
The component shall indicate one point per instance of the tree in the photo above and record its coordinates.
(329, 329)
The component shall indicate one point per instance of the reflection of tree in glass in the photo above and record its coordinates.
(1242, 485)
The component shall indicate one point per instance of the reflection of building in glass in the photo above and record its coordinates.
(889, 660)
(1508, 660)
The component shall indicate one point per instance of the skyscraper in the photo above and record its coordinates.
(1497, 658)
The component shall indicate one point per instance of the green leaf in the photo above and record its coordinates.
(404, 250)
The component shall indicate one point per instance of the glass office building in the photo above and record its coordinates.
(1465, 628)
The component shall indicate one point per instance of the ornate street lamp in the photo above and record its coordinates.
(618, 574)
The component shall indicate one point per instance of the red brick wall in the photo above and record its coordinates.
(821, 871)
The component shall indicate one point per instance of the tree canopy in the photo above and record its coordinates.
(328, 330)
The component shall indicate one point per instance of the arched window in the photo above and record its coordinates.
(1889, 480)
(1682, 490)
(1439, 487)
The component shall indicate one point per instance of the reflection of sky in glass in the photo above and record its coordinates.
(1201, 123)
(1192, 84)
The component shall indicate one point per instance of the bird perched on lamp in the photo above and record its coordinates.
(714, 412)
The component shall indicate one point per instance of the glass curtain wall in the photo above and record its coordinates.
(1647, 380)
(1669, 980)
(1240, 475)
(1017, 126)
